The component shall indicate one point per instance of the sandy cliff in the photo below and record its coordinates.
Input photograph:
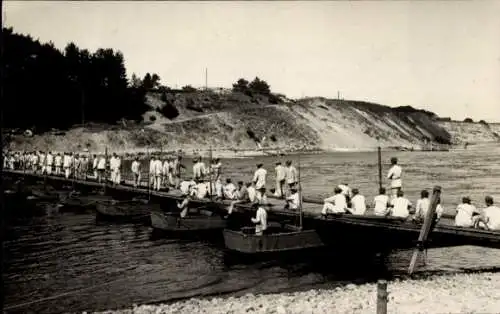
(462, 132)
(235, 121)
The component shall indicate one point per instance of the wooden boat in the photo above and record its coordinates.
(197, 221)
(46, 195)
(278, 239)
(136, 210)
(76, 202)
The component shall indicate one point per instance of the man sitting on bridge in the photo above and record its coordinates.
(243, 196)
(358, 203)
(400, 206)
(465, 213)
(490, 218)
(336, 204)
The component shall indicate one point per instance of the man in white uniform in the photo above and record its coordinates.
(165, 172)
(293, 200)
(94, 166)
(42, 163)
(358, 203)
(136, 171)
(260, 221)
(101, 169)
(400, 206)
(291, 175)
(381, 203)
(229, 190)
(50, 163)
(58, 164)
(152, 163)
(259, 180)
(395, 174)
(280, 180)
(490, 219)
(465, 213)
(115, 165)
(157, 172)
(335, 204)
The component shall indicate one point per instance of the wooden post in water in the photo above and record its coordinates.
(45, 173)
(148, 158)
(73, 174)
(379, 167)
(211, 173)
(105, 168)
(300, 198)
(382, 297)
(426, 228)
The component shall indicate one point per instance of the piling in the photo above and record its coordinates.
(379, 167)
(426, 228)
(382, 297)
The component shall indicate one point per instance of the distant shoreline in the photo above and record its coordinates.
(252, 153)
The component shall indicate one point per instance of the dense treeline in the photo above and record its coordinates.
(47, 88)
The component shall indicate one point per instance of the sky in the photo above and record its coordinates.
(442, 56)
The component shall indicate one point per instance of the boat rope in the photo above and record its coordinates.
(57, 296)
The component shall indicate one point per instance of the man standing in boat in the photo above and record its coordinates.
(259, 179)
(395, 174)
(260, 221)
(293, 200)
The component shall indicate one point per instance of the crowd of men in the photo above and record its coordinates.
(206, 182)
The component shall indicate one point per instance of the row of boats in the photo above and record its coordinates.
(285, 233)
(202, 219)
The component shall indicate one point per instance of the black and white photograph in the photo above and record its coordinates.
(265, 157)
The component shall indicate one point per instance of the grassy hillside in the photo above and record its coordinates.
(235, 121)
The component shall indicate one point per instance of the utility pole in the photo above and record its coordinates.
(206, 78)
(82, 99)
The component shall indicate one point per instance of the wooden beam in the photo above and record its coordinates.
(426, 227)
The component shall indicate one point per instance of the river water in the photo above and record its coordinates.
(66, 262)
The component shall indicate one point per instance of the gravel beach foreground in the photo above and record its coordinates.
(460, 293)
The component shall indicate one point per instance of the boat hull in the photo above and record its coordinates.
(287, 241)
(122, 212)
(191, 223)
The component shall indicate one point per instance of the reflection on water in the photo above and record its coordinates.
(118, 265)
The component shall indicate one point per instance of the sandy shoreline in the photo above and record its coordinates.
(219, 153)
(459, 293)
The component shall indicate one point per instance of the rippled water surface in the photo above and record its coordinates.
(66, 262)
